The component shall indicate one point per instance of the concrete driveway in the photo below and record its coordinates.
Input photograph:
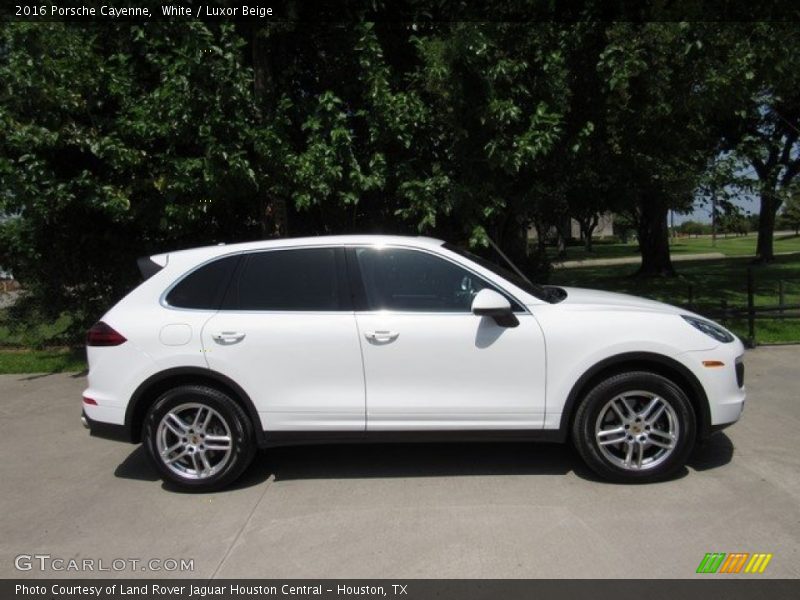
(400, 511)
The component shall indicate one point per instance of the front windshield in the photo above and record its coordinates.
(531, 288)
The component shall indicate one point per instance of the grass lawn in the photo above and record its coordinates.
(711, 281)
(731, 246)
(57, 360)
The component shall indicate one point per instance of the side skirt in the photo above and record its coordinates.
(301, 438)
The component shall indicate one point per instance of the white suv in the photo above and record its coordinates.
(226, 349)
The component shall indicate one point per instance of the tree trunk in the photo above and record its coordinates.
(587, 230)
(513, 238)
(766, 227)
(541, 236)
(654, 240)
(274, 214)
(561, 239)
(587, 239)
(587, 225)
(561, 245)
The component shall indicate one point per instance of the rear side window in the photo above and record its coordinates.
(291, 280)
(204, 288)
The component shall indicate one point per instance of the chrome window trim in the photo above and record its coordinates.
(163, 302)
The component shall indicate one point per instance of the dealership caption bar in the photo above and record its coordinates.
(461, 589)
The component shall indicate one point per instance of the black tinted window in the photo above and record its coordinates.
(205, 287)
(287, 280)
(408, 280)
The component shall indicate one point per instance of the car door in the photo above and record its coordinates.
(287, 335)
(430, 364)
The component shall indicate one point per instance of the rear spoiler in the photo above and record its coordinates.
(150, 265)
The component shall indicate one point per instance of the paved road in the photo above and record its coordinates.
(461, 510)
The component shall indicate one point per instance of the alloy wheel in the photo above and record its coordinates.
(637, 430)
(194, 441)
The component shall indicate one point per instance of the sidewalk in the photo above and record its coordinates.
(631, 260)
(635, 260)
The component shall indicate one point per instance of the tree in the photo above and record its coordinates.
(765, 128)
(117, 140)
(660, 102)
(722, 183)
(585, 161)
(124, 140)
(732, 220)
(408, 127)
(693, 228)
(791, 212)
(497, 93)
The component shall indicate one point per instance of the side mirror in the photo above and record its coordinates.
(488, 303)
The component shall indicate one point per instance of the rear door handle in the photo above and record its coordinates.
(381, 337)
(227, 337)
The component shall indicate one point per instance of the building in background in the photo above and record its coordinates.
(604, 229)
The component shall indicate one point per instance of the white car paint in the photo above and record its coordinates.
(453, 371)
(389, 371)
(303, 371)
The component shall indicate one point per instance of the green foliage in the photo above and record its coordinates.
(663, 93)
(790, 217)
(125, 140)
(32, 330)
(732, 220)
(694, 228)
(116, 142)
(764, 127)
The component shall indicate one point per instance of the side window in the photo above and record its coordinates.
(297, 280)
(205, 287)
(409, 280)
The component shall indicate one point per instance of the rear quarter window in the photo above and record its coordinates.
(204, 288)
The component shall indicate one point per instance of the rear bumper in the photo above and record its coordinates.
(109, 431)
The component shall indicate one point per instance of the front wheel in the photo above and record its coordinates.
(635, 427)
(198, 438)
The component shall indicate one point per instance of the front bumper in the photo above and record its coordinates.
(723, 385)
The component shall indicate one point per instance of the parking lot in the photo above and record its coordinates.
(401, 511)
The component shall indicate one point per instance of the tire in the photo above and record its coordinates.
(620, 448)
(198, 438)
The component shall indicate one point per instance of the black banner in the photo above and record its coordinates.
(408, 589)
(343, 11)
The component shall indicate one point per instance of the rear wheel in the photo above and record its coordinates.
(198, 438)
(635, 426)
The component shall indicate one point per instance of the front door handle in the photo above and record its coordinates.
(227, 337)
(381, 337)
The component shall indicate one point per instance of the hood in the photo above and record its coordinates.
(612, 300)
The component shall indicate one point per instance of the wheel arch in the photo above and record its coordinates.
(659, 364)
(155, 385)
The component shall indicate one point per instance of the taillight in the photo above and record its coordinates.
(102, 334)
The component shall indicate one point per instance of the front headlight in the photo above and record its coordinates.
(710, 329)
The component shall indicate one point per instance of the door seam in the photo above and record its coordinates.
(363, 369)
